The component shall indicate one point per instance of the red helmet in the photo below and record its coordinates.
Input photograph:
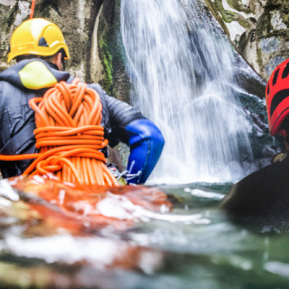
(277, 98)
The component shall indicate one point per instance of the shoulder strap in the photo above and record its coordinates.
(21, 140)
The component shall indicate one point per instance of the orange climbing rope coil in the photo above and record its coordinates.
(69, 136)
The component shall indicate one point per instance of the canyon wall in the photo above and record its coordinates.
(259, 30)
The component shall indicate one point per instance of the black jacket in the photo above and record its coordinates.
(26, 80)
(261, 200)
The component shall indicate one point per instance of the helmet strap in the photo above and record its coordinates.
(63, 63)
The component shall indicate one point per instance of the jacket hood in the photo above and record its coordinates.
(34, 74)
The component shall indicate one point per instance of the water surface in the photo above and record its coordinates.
(192, 245)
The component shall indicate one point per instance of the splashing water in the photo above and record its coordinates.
(181, 68)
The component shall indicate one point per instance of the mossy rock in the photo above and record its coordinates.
(112, 53)
(76, 19)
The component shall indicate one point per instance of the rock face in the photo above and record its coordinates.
(76, 18)
(111, 51)
(259, 29)
(92, 31)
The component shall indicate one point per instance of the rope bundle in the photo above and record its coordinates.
(69, 136)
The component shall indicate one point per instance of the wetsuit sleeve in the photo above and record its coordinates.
(146, 144)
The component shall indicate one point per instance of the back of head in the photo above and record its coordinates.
(277, 100)
(38, 37)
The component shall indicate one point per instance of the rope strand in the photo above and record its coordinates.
(32, 9)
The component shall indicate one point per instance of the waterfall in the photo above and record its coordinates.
(181, 71)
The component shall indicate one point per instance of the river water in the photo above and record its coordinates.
(192, 245)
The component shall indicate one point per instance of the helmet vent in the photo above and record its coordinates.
(275, 76)
(42, 42)
(286, 71)
(278, 98)
(268, 89)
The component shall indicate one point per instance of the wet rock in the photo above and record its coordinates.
(75, 18)
(269, 45)
(112, 53)
(8, 2)
(259, 29)
(273, 63)
(24, 11)
(91, 30)
(276, 20)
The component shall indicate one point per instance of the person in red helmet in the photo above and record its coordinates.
(261, 200)
(277, 101)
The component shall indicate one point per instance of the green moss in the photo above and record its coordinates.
(282, 6)
(259, 57)
(236, 5)
(112, 53)
(211, 6)
(227, 16)
(286, 19)
(245, 24)
(272, 3)
(263, 25)
(106, 58)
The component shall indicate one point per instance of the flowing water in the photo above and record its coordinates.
(182, 71)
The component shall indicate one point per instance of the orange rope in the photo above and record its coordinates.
(69, 136)
(32, 9)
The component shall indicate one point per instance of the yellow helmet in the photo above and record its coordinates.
(37, 37)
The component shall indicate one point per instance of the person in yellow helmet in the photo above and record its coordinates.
(40, 51)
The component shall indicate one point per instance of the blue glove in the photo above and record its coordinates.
(146, 144)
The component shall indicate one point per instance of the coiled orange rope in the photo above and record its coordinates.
(69, 136)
